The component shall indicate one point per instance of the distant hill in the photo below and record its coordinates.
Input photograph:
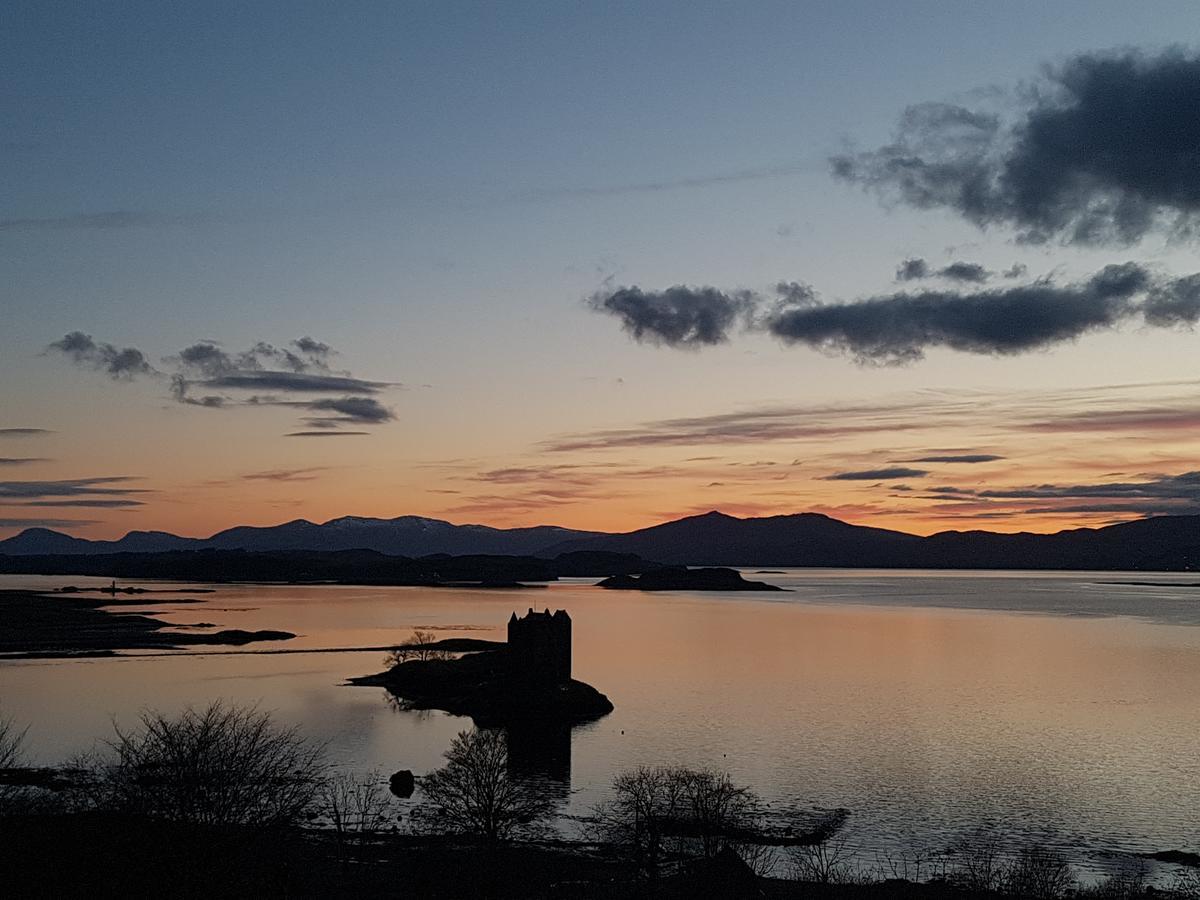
(1163, 543)
(715, 539)
(402, 536)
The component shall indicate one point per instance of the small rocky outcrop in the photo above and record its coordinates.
(402, 784)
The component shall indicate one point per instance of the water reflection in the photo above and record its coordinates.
(921, 701)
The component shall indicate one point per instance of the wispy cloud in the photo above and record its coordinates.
(87, 503)
(967, 458)
(105, 221)
(312, 434)
(23, 432)
(307, 474)
(113, 485)
(20, 460)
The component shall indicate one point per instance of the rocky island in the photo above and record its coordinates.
(681, 578)
(528, 679)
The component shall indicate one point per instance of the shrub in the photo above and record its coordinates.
(353, 806)
(1039, 872)
(222, 765)
(12, 755)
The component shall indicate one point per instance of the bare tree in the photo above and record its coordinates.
(419, 646)
(474, 792)
(222, 765)
(12, 755)
(823, 855)
(354, 806)
(663, 813)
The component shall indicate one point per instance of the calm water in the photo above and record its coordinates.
(1052, 705)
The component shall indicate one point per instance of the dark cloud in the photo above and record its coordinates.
(962, 458)
(308, 434)
(208, 359)
(311, 347)
(180, 387)
(301, 367)
(899, 328)
(679, 316)
(913, 270)
(354, 410)
(86, 504)
(298, 382)
(918, 269)
(1152, 495)
(1185, 486)
(965, 271)
(1104, 150)
(877, 474)
(23, 432)
(44, 523)
(793, 293)
(113, 485)
(1016, 270)
(20, 460)
(118, 363)
(1174, 303)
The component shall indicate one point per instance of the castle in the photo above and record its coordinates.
(539, 645)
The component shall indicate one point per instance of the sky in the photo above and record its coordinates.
(923, 266)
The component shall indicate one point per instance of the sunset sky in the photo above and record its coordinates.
(916, 265)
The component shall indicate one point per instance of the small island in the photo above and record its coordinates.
(527, 679)
(681, 578)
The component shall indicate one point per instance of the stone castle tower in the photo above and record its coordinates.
(539, 645)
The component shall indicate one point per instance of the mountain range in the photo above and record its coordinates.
(1162, 543)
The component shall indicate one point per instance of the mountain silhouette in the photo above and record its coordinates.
(401, 536)
(1163, 543)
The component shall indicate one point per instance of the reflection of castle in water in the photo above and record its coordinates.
(539, 750)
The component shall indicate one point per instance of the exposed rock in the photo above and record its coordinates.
(402, 784)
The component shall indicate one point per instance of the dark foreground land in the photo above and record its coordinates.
(104, 855)
(58, 624)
